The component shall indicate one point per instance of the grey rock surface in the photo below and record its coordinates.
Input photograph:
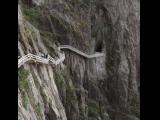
(104, 88)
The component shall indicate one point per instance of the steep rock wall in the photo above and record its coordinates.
(38, 97)
(102, 88)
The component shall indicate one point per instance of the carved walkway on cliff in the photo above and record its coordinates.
(36, 58)
(50, 60)
(97, 54)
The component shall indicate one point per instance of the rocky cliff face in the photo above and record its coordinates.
(103, 88)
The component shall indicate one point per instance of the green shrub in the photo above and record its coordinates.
(33, 15)
(24, 100)
(92, 118)
(22, 75)
(22, 85)
(38, 111)
(93, 110)
(133, 105)
(59, 79)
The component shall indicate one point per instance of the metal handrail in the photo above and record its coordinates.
(36, 58)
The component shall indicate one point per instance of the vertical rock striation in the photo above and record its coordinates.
(103, 88)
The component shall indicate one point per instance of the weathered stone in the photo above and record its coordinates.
(110, 83)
